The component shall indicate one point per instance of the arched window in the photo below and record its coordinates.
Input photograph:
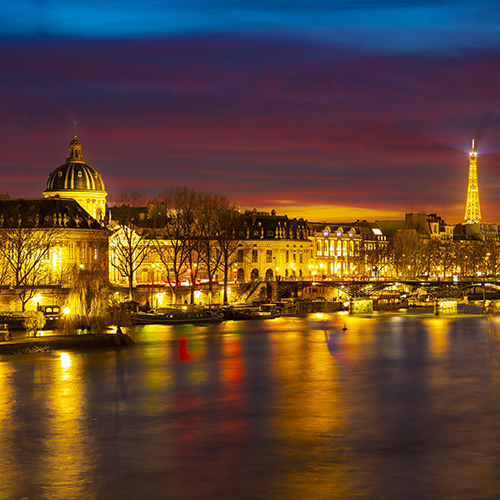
(255, 274)
(269, 274)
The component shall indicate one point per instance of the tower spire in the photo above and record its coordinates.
(472, 208)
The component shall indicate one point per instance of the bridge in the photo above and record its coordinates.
(364, 289)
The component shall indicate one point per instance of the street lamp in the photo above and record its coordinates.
(66, 312)
(37, 299)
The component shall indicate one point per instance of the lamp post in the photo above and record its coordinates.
(154, 267)
(37, 299)
(66, 312)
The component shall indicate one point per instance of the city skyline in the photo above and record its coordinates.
(325, 110)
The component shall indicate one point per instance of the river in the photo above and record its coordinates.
(392, 406)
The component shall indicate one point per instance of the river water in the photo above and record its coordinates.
(395, 406)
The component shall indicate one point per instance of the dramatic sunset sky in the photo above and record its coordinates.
(326, 109)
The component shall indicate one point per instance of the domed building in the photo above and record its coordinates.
(79, 181)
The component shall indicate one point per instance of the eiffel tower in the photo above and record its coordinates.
(472, 208)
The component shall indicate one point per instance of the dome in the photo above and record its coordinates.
(75, 174)
(77, 180)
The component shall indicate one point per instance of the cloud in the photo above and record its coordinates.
(259, 119)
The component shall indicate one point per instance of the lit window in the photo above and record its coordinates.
(269, 255)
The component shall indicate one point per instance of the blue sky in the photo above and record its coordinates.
(392, 25)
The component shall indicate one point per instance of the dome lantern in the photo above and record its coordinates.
(75, 151)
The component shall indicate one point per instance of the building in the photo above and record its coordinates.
(345, 250)
(272, 247)
(45, 240)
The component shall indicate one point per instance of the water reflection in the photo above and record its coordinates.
(393, 407)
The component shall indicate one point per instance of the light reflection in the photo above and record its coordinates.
(494, 348)
(311, 407)
(438, 339)
(65, 360)
(10, 475)
(69, 450)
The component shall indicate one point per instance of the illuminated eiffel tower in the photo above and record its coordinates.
(472, 208)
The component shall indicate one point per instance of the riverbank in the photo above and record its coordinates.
(64, 342)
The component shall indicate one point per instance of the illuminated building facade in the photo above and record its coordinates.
(273, 247)
(74, 240)
(347, 250)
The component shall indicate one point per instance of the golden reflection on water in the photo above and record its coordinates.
(8, 477)
(439, 343)
(494, 348)
(69, 449)
(311, 408)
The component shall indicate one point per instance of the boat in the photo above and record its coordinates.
(176, 316)
(264, 311)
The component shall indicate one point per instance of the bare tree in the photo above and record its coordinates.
(229, 225)
(177, 234)
(132, 238)
(212, 219)
(405, 253)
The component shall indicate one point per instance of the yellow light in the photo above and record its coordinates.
(66, 310)
(37, 299)
(65, 360)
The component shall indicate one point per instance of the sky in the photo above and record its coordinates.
(328, 110)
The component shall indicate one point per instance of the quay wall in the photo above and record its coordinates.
(64, 342)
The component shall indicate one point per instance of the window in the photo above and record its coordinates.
(255, 256)
(96, 253)
(240, 255)
(301, 257)
(84, 251)
(294, 256)
(269, 255)
(71, 251)
(287, 256)
(318, 247)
